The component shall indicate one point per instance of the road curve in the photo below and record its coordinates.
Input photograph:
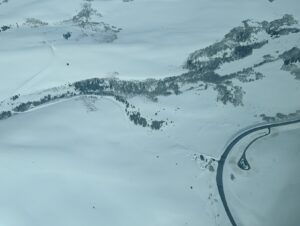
(219, 176)
(243, 163)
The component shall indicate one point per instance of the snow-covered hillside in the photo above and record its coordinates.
(117, 112)
(72, 165)
(155, 40)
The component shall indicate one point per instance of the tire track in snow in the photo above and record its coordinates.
(36, 75)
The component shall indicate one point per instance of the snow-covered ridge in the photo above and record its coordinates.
(103, 126)
(240, 42)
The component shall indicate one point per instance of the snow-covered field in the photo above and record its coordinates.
(84, 152)
(67, 164)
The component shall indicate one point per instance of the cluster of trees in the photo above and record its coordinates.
(67, 35)
(15, 97)
(84, 16)
(156, 125)
(91, 86)
(232, 44)
(282, 26)
(137, 119)
(30, 104)
(4, 28)
(5, 114)
(230, 94)
(245, 75)
(27, 105)
(280, 116)
(33, 22)
(227, 93)
(291, 56)
(97, 87)
(229, 49)
(150, 88)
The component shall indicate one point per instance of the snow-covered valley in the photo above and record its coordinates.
(117, 112)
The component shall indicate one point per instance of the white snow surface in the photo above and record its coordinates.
(68, 165)
(81, 161)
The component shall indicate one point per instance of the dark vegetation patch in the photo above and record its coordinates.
(246, 75)
(206, 162)
(280, 116)
(283, 26)
(15, 97)
(230, 94)
(67, 35)
(290, 59)
(156, 125)
(291, 56)
(242, 51)
(3, 1)
(232, 177)
(34, 23)
(239, 43)
(5, 114)
(5, 28)
(138, 119)
(22, 107)
(266, 59)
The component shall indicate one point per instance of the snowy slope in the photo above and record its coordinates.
(155, 39)
(68, 165)
(116, 112)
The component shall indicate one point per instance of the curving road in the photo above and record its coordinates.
(224, 156)
(243, 162)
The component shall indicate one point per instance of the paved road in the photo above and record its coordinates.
(224, 156)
